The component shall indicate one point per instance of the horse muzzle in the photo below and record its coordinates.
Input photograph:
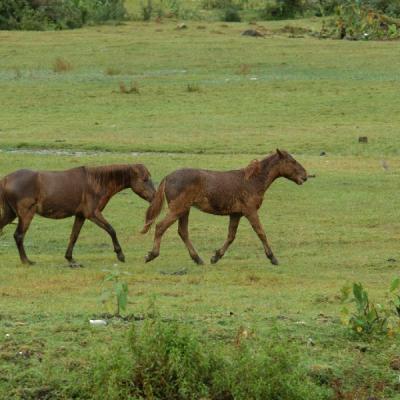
(301, 180)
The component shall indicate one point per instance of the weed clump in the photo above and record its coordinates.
(112, 71)
(192, 88)
(61, 65)
(133, 88)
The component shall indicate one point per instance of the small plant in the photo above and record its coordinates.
(372, 318)
(61, 65)
(118, 290)
(368, 318)
(134, 88)
(191, 87)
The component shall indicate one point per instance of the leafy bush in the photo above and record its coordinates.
(167, 361)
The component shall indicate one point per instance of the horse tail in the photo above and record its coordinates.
(7, 214)
(2, 203)
(155, 207)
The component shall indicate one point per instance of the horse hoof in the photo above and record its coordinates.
(75, 264)
(214, 259)
(121, 257)
(198, 260)
(28, 262)
(274, 260)
(150, 256)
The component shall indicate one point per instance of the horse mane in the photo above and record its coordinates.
(110, 176)
(253, 169)
(256, 167)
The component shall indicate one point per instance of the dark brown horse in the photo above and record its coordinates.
(81, 192)
(235, 193)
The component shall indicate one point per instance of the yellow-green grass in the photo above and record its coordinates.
(338, 228)
(309, 96)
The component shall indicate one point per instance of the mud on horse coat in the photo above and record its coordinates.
(82, 192)
(235, 193)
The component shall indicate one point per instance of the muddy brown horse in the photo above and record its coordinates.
(235, 193)
(82, 192)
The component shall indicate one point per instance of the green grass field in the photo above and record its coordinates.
(303, 95)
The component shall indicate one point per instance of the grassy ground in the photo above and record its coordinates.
(304, 95)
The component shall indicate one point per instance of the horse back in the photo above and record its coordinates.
(214, 192)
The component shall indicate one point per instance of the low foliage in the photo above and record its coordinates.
(165, 360)
(58, 14)
(358, 21)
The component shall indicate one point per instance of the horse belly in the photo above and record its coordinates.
(219, 205)
(57, 206)
(54, 211)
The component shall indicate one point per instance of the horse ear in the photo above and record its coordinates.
(280, 154)
(253, 169)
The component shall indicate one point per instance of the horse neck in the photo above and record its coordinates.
(269, 171)
(111, 179)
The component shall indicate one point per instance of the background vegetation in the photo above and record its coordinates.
(67, 14)
(115, 94)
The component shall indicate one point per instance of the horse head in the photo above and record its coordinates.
(290, 168)
(141, 182)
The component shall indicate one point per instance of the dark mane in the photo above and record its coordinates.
(116, 175)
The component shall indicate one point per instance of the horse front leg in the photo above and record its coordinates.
(78, 223)
(234, 220)
(256, 224)
(183, 231)
(100, 221)
(160, 230)
(24, 220)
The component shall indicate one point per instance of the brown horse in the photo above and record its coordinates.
(81, 192)
(235, 193)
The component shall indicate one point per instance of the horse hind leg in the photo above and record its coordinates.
(7, 215)
(233, 226)
(183, 230)
(24, 220)
(78, 223)
(161, 227)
